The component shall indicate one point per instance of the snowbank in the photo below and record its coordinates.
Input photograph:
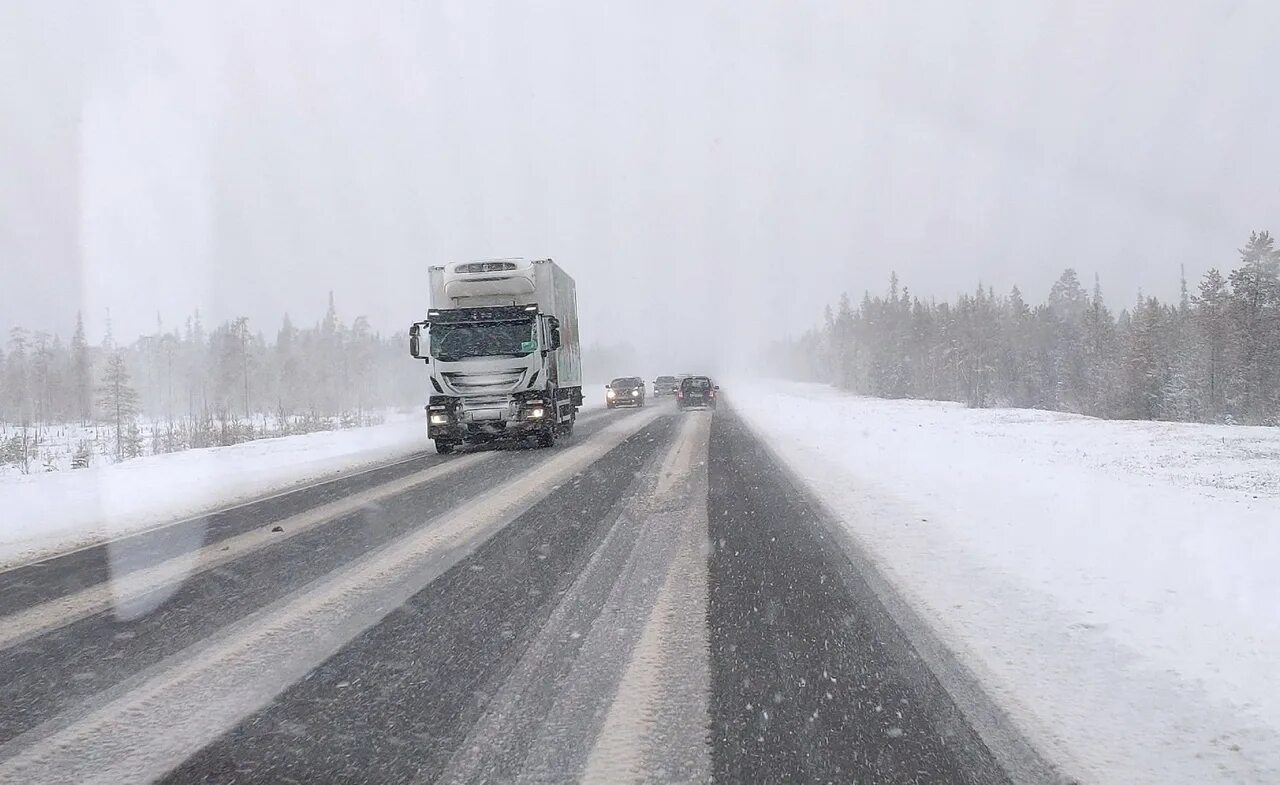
(1115, 585)
(51, 512)
(46, 513)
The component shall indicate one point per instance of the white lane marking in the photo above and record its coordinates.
(618, 754)
(676, 627)
(205, 690)
(503, 717)
(676, 466)
(65, 610)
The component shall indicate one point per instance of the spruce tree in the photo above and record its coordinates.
(16, 388)
(1255, 312)
(118, 402)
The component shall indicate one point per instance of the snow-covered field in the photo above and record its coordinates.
(1114, 585)
(53, 448)
(50, 512)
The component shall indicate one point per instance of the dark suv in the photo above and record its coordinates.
(665, 385)
(624, 391)
(696, 391)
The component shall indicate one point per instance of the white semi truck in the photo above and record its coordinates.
(501, 343)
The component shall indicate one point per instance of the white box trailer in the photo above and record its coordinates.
(503, 350)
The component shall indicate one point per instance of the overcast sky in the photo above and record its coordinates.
(730, 166)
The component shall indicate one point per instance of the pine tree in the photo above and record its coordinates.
(288, 372)
(845, 359)
(1215, 367)
(81, 374)
(1180, 400)
(169, 348)
(17, 379)
(1098, 356)
(239, 336)
(328, 361)
(197, 368)
(130, 443)
(43, 377)
(1255, 312)
(361, 353)
(1067, 298)
(118, 401)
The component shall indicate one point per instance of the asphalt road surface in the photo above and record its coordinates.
(652, 600)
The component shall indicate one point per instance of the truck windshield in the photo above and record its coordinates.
(452, 342)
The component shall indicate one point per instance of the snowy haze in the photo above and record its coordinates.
(732, 165)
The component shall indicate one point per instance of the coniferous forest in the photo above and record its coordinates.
(194, 385)
(1211, 356)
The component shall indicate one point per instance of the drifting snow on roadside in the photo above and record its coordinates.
(73, 446)
(1113, 585)
(51, 512)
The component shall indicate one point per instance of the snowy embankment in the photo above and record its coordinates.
(56, 511)
(1115, 586)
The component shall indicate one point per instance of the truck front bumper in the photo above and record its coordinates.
(519, 418)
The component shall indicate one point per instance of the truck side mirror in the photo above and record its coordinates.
(415, 340)
(553, 333)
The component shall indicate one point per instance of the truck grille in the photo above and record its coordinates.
(500, 384)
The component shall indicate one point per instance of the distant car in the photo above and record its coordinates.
(665, 385)
(696, 391)
(624, 391)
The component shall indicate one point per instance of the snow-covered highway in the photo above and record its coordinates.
(652, 600)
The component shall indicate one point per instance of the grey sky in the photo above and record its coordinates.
(727, 164)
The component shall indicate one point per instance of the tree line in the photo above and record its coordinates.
(1212, 356)
(197, 386)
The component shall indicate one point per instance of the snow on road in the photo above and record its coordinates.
(52, 512)
(1114, 585)
(47, 513)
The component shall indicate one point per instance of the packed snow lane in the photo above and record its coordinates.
(812, 681)
(1112, 584)
(650, 601)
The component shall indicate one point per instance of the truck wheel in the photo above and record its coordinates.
(445, 447)
(547, 437)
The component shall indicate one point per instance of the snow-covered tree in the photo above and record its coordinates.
(1255, 312)
(80, 374)
(118, 403)
(17, 379)
(1213, 355)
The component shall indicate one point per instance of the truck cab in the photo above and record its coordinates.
(500, 342)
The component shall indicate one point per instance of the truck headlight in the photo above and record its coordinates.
(635, 393)
(536, 414)
(439, 419)
(610, 394)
